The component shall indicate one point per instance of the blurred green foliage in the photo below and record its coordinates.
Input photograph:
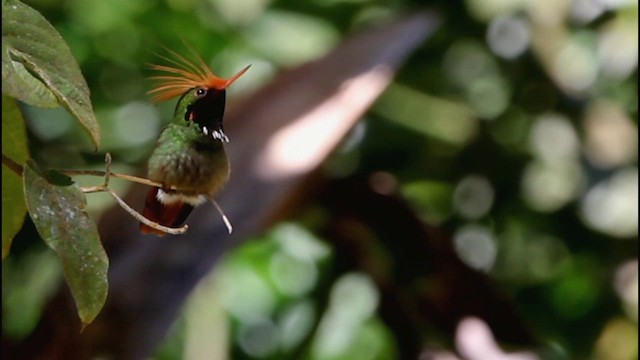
(515, 126)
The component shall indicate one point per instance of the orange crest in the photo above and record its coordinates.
(186, 75)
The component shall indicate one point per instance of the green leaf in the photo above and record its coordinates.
(14, 146)
(38, 67)
(58, 212)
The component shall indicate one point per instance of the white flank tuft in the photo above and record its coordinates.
(172, 198)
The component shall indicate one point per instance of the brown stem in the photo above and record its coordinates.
(12, 165)
(132, 178)
(144, 220)
(135, 214)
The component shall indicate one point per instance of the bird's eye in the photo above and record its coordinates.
(201, 92)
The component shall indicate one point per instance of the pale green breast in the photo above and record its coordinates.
(185, 159)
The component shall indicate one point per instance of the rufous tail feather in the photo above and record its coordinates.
(170, 215)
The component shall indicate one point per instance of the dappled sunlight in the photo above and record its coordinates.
(476, 246)
(237, 12)
(626, 287)
(618, 47)
(529, 256)
(475, 341)
(618, 340)
(611, 206)
(353, 301)
(611, 136)
(299, 147)
(473, 197)
(26, 285)
(290, 38)
(431, 199)
(246, 294)
(258, 338)
(49, 124)
(571, 58)
(548, 187)
(555, 177)
(270, 310)
(440, 118)
(293, 277)
(553, 139)
(143, 130)
(574, 67)
(476, 74)
(296, 323)
(508, 36)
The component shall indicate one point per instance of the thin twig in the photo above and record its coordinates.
(12, 165)
(132, 178)
(144, 220)
(93, 189)
(18, 169)
(107, 159)
(126, 207)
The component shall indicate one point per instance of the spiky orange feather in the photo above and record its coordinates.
(186, 75)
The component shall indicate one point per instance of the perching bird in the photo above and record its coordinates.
(190, 155)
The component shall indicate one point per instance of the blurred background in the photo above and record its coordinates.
(511, 135)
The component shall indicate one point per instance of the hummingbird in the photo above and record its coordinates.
(189, 159)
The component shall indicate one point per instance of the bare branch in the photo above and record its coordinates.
(107, 159)
(136, 179)
(144, 220)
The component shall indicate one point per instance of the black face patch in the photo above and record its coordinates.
(207, 111)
